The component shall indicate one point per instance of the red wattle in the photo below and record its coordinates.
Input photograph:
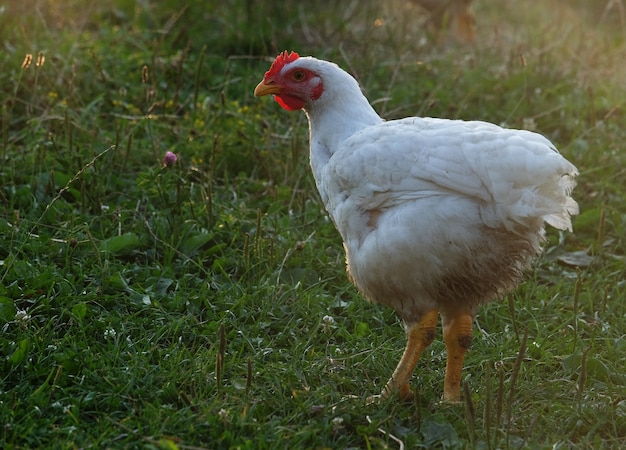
(289, 102)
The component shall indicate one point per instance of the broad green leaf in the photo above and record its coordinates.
(79, 310)
(167, 444)
(117, 281)
(576, 259)
(193, 243)
(20, 352)
(161, 285)
(590, 217)
(362, 329)
(120, 244)
(7, 310)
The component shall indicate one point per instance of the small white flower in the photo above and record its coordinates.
(110, 333)
(338, 422)
(65, 408)
(223, 414)
(22, 315)
(328, 320)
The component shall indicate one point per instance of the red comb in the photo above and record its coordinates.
(282, 59)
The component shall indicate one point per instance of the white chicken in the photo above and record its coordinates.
(437, 216)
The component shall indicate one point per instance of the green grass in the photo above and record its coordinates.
(206, 305)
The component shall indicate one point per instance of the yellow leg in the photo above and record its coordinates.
(419, 336)
(457, 335)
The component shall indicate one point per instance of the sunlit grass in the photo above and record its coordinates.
(206, 304)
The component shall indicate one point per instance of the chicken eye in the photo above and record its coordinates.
(298, 75)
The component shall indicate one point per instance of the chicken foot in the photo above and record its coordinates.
(419, 336)
(457, 335)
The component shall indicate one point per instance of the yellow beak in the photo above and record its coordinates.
(266, 88)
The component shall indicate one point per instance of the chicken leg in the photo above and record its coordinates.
(419, 336)
(457, 335)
